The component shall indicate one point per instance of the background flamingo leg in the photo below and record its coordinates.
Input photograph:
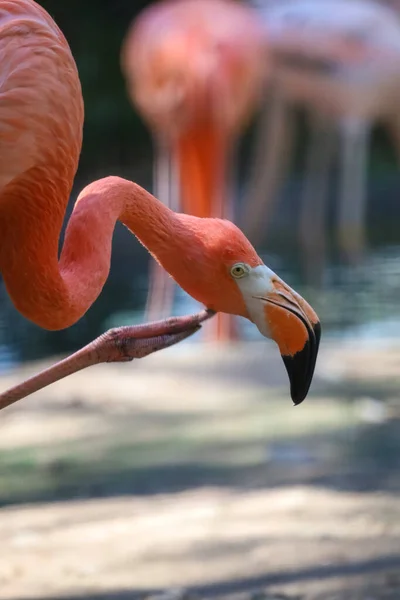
(352, 201)
(315, 197)
(160, 297)
(269, 166)
(227, 326)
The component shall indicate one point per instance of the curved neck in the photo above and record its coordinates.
(54, 293)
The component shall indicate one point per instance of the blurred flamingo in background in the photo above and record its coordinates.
(41, 121)
(195, 71)
(340, 61)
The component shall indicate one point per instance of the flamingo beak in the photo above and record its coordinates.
(284, 316)
(295, 327)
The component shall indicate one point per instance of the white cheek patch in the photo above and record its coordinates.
(258, 283)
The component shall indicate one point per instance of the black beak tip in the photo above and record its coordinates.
(297, 398)
(300, 367)
(296, 367)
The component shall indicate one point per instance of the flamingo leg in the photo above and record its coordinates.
(269, 165)
(315, 198)
(355, 134)
(121, 344)
(160, 297)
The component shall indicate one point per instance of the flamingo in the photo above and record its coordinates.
(41, 121)
(195, 70)
(340, 60)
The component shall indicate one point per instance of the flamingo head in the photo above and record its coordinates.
(283, 315)
(225, 273)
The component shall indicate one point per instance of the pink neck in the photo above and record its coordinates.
(202, 154)
(55, 294)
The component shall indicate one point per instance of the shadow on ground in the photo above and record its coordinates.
(370, 569)
(357, 458)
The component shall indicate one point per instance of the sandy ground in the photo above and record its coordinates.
(192, 470)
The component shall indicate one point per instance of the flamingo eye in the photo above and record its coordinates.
(240, 270)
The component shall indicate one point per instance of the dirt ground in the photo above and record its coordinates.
(190, 474)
